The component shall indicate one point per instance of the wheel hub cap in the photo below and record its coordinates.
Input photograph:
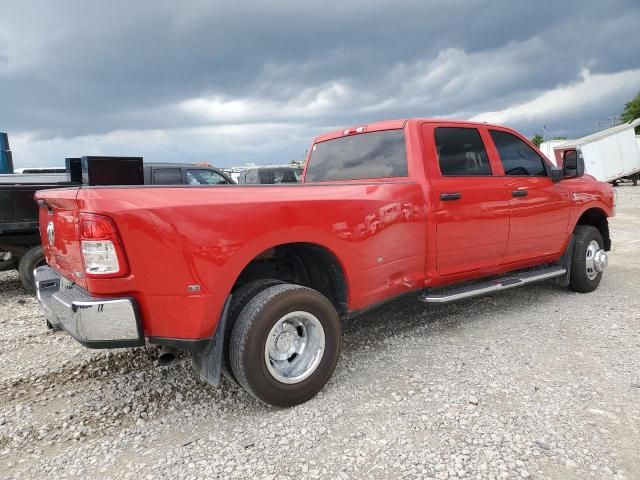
(285, 342)
(294, 347)
(601, 260)
(596, 261)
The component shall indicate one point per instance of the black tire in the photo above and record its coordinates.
(635, 179)
(250, 334)
(29, 261)
(239, 300)
(579, 280)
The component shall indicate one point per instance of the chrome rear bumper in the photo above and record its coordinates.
(94, 322)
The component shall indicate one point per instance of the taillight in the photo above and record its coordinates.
(102, 251)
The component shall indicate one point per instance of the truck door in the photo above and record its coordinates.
(470, 201)
(539, 207)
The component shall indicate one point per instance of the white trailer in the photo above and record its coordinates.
(549, 146)
(611, 155)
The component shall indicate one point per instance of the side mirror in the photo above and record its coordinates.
(572, 164)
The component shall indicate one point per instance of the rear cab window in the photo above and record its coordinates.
(380, 154)
(517, 157)
(167, 176)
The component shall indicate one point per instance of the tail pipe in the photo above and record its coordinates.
(167, 356)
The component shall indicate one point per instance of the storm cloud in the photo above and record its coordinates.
(235, 82)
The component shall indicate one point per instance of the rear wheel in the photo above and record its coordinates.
(285, 344)
(588, 260)
(28, 263)
(239, 300)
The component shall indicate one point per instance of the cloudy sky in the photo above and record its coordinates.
(235, 82)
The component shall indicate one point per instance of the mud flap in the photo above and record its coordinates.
(565, 262)
(208, 362)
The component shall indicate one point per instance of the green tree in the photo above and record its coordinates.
(559, 137)
(537, 140)
(631, 111)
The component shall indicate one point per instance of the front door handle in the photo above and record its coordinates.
(450, 196)
(520, 193)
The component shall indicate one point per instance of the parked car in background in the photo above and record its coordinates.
(185, 174)
(270, 175)
(442, 210)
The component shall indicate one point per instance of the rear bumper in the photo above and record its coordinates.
(94, 322)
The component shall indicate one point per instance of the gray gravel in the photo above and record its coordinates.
(537, 382)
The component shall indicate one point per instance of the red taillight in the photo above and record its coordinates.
(92, 228)
(102, 252)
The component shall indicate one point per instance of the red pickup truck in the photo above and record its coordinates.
(253, 280)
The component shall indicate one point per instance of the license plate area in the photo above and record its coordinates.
(66, 284)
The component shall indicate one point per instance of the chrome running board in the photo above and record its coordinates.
(446, 295)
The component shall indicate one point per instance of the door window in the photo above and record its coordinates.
(518, 158)
(461, 152)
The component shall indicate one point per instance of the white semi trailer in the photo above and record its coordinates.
(612, 155)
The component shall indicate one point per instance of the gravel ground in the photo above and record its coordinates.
(538, 382)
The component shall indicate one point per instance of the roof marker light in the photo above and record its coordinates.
(351, 131)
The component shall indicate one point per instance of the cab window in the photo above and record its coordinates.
(167, 176)
(461, 152)
(518, 158)
(368, 155)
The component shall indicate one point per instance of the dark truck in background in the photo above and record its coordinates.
(19, 234)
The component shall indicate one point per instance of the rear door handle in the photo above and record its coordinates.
(520, 193)
(450, 196)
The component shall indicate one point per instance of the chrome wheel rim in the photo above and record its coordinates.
(294, 347)
(596, 260)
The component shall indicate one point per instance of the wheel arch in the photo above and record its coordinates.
(596, 217)
(304, 262)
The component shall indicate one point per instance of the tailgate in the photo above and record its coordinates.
(59, 232)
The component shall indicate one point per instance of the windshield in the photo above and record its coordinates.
(201, 176)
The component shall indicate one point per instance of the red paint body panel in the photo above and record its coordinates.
(390, 236)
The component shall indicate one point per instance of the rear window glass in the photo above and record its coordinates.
(367, 155)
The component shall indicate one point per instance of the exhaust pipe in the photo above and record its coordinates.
(166, 356)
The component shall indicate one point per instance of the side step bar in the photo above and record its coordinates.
(447, 295)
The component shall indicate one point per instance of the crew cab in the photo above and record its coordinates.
(439, 210)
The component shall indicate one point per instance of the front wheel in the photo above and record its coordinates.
(285, 344)
(588, 260)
